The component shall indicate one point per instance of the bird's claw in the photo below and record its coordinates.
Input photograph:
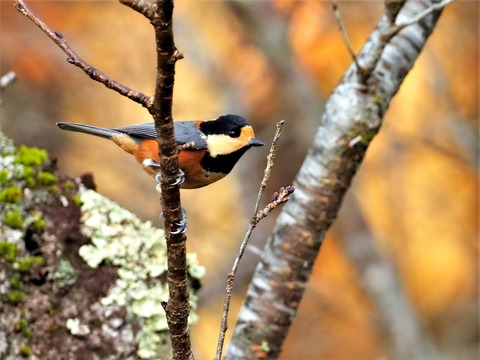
(149, 163)
(178, 181)
(181, 226)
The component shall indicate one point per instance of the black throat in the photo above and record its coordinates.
(222, 163)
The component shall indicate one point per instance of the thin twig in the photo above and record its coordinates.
(346, 39)
(395, 29)
(141, 6)
(269, 166)
(278, 198)
(7, 79)
(74, 59)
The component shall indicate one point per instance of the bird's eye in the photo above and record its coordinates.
(234, 133)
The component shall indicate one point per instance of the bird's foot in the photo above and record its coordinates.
(181, 225)
(178, 181)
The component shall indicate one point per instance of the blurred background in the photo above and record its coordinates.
(399, 267)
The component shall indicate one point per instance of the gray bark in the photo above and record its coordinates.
(352, 117)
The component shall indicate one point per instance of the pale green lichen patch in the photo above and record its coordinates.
(66, 275)
(76, 328)
(138, 251)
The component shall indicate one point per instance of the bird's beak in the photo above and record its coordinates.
(256, 142)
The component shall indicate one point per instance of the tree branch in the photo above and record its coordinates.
(278, 198)
(353, 115)
(346, 39)
(177, 308)
(397, 28)
(392, 8)
(387, 29)
(74, 59)
(143, 7)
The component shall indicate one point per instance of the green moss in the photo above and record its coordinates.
(14, 219)
(14, 297)
(39, 224)
(26, 351)
(24, 265)
(24, 172)
(46, 178)
(77, 200)
(363, 132)
(368, 136)
(31, 182)
(8, 250)
(68, 186)
(27, 333)
(4, 176)
(30, 156)
(22, 326)
(11, 194)
(15, 282)
(28, 174)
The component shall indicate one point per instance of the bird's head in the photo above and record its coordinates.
(228, 134)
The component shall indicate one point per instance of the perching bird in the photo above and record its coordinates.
(208, 149)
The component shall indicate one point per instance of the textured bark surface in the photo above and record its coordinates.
(177, 308)
(352, 117)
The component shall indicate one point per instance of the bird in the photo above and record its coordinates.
(208, 149)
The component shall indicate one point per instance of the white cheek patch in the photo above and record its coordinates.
(223, 144)
(220, 144)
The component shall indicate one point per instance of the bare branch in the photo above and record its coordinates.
(177, 308)
(346, 39)
(278, 198)
(144, 7)
(397, 28)
(269, 166)
(74, 59)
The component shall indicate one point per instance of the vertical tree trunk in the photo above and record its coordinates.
(352, 117)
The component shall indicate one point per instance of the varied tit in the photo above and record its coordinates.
(208, 150)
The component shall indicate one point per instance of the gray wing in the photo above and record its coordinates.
(142, 131)
(185, 133)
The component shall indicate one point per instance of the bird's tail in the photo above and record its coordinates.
(88, 129)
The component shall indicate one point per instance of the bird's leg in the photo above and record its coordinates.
(149, 163)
